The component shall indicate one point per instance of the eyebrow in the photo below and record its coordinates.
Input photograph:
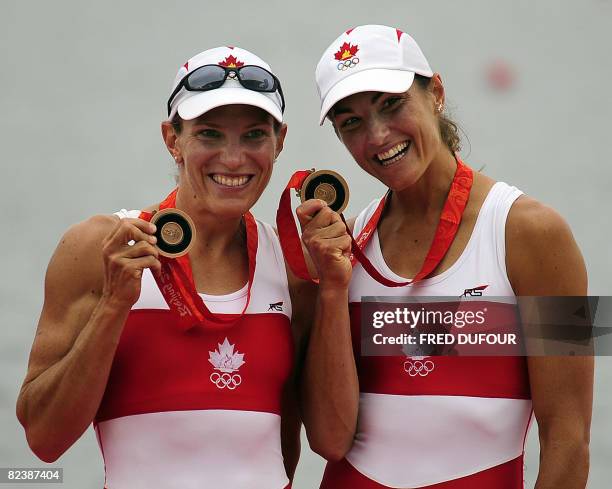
(214, 125)
(376, 96)
(343, 110)
(256, 124)
(204, 122)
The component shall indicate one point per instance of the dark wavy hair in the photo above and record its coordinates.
(449, 129)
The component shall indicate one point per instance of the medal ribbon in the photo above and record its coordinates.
(446, 230)
(288, 236)
(176, 282)
(291, 243)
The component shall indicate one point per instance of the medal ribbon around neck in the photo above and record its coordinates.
(176, 282)
(446, 230)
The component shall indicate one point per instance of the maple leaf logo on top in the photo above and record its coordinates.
(231, 62)
(346, 51)
(224, 359)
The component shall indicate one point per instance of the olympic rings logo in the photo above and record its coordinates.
(225, 380)
(349, 63)
(418, 367)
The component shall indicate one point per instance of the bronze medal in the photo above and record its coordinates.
(326, 185)
(175, 232)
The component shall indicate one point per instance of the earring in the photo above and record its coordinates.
(178, 159)
(440, 107)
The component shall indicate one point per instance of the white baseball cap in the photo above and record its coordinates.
(368, 58)
(192, 104)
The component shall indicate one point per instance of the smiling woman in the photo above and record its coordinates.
(124, 332)
(441, 230)
(225, 157)
(211, 132)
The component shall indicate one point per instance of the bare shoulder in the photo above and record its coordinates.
(88, 232)
(73, 286)
(80, 246)
(533, 218)
(542, 256)
(533, 228)
(75, 275)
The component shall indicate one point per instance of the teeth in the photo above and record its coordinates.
(392, 160)
(230, 181)
(386, 155)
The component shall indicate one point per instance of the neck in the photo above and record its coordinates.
(428, 195)
(213, 234)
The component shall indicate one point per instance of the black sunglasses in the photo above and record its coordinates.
(209, 77)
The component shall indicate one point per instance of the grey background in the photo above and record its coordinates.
(83, 89)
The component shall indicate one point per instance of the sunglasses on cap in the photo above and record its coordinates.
(210, 77)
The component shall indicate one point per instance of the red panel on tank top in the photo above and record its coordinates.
(505, 476)
(503, 376)
(158, 367)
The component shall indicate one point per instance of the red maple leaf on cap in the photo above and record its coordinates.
(346, 51)
(231, 62)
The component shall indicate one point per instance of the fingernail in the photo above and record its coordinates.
(153, 228)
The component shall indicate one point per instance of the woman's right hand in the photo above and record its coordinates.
(124, 263)
(325, 236)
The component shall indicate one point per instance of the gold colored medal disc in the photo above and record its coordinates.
(326, 185)
(175, 232)
(172, 233)
(326, 192)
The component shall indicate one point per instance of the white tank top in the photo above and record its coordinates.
(201, 408)
(450, 417)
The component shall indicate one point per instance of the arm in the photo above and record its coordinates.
(291, 425)
(329, 384)
(302, 299)
(92, 280)
(544, 260)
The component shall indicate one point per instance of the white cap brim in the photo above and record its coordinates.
(373, 80)
(202, 102)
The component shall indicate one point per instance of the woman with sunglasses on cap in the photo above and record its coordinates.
(432, 422)
(183, 365)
